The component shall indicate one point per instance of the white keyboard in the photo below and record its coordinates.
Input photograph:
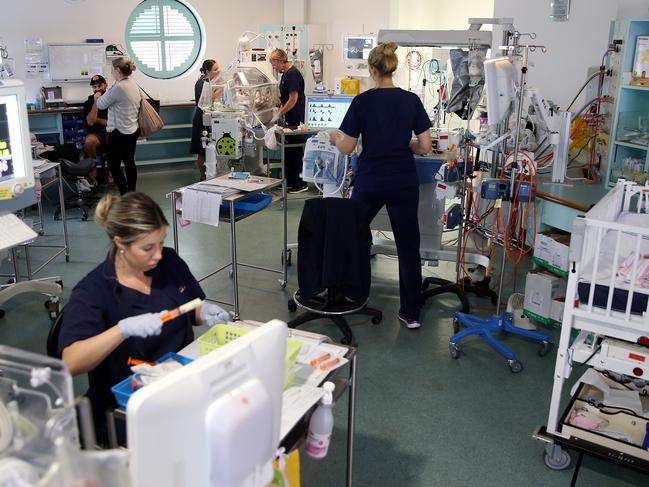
(14, 231)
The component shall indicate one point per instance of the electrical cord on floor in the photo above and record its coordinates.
(384, 235)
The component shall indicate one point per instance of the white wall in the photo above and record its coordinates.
(632, 9)
(57, 21)
(573, 46)
(339, 17)
(438, 14)
(295, 11)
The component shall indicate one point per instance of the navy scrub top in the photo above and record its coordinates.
(99, 302)
(386, 119)
(292, 80)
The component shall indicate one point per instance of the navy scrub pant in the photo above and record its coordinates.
(402, 208)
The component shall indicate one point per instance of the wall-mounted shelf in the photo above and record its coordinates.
(631, 145)
(170, 145)
(632, 103)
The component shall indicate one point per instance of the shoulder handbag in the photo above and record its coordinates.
(148, 118)
(152, 101)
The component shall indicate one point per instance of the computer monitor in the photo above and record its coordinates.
(358, 47)
(16, 168)
(325, 111)
(500, 79)
(216, 421)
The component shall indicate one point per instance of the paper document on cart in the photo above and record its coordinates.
(239, 184)
(201, 206)
(222, 190)
(296, 401)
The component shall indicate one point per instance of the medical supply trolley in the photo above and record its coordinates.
(234, 212)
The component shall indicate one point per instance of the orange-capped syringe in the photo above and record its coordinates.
(185, 308)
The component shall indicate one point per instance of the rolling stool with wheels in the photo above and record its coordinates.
(334, 306)
(333, 267)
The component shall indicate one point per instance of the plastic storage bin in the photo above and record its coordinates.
(252, 203)
(219, 335)
(123, 390)
(427, 168)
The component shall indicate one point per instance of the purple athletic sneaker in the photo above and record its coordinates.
(410, 324)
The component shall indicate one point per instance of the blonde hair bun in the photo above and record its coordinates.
(384, 58)
(128, 217)
(389, 48)
(103, 209)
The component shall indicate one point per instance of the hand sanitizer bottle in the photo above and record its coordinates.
(321, 425)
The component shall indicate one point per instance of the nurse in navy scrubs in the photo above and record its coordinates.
(114, 312)
(386, 118)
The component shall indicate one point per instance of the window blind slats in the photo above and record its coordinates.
(164, 37)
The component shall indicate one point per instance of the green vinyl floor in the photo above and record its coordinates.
(422, 419)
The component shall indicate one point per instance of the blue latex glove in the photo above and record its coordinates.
(144, 325)
(212, 314)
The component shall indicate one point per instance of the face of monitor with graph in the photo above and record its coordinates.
(358, 47)
(326, 112)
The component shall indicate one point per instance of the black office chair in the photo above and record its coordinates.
(52, 345)
(71, 172)
(334, 273)
(72, 169)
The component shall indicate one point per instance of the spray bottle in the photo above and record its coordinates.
(210, 156)
(321, 425)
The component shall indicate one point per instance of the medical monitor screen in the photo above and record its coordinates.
(357, 48)
(500, 79)
(326, 111)
(7, 142)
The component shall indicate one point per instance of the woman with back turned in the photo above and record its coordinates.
(122, 100)
(387, 117)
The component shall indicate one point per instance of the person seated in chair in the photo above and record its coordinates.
(95, 122)
(115, 311)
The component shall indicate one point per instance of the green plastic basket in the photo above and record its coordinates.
(219, 335)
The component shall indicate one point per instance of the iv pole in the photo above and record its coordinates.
(480, 289)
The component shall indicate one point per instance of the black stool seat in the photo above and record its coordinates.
(81, 168)
(334, 306)
(334, 273)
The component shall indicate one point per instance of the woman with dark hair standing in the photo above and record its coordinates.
(387, 117)
(122, 100)
(210, 71)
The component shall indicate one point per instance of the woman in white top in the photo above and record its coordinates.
(122, 100)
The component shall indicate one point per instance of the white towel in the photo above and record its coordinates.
(201, 207)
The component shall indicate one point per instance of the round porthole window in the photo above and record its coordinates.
(164, 38)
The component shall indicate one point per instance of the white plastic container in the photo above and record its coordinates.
(321, 425)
